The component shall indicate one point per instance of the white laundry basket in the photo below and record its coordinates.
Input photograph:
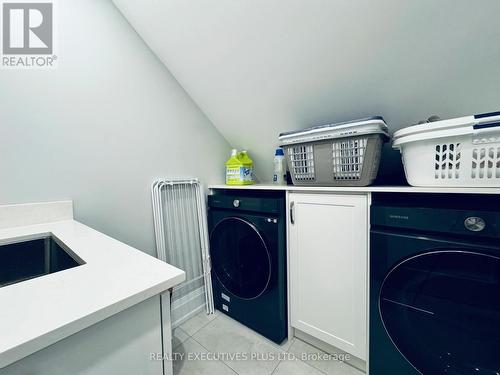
(460, 152)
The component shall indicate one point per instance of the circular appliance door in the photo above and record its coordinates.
(240, 257)
(441, 310)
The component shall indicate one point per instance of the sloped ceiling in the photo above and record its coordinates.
(260, 67)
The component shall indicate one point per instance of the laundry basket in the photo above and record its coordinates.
(461, 152)
(345, 154)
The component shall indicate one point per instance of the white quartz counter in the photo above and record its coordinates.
(39, 312)
(367, 189)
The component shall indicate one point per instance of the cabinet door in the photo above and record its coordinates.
(328, 268)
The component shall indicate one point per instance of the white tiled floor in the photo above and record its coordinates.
(217, 344)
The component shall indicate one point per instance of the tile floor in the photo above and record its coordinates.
(217, 344)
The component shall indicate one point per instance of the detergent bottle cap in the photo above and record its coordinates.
(279, 152)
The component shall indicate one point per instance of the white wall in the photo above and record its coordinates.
(102, 126)
(260, 67)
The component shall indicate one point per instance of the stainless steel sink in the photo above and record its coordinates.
(32, 258)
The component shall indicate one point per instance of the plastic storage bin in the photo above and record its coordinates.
(344, 154)
(460, 152)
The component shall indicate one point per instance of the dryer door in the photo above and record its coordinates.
(240, 257)
(441, 309)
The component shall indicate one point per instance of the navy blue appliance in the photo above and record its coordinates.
(248, 253)
(435, 285)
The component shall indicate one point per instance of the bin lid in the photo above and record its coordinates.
(370, 125)
(475, 125)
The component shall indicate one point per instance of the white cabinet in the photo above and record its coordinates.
(129, 342)
(328, 251)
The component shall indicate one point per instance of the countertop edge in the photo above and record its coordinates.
(366, 189)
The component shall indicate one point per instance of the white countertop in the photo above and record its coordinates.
(39, 312)
(367, 189)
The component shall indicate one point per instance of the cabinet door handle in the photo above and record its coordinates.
(292, 212)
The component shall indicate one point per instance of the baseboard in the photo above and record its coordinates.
(330, 349)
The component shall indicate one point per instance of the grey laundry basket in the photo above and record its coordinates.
(336, 155)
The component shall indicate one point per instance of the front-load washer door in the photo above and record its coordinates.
(441, 310)
(240, 257)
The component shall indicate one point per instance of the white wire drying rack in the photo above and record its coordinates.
(181, 233)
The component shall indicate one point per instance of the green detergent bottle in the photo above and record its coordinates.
(239, 169)
(233, 165)
(247, 171)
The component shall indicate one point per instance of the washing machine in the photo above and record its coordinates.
(435, 284)
(248, 255)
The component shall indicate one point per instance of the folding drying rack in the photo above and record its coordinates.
(181, 232)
